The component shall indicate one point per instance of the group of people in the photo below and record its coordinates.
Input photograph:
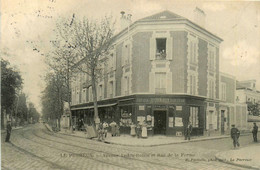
(139, 130)
(235, 133)
(103, 129)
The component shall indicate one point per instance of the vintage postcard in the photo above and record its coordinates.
(130, 84)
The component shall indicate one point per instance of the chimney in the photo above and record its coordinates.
(199, 17)
(125, 20)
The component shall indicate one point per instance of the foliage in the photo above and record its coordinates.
(33, 114)
(253, 108)
(53, 96)
(11, 82)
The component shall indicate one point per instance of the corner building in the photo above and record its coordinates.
(164, 69)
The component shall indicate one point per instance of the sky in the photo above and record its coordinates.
(24, 22)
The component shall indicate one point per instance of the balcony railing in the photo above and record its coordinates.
(160, 90)
(160, 56)
(111, 95)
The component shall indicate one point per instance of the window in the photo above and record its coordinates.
(90, 94)
(193, 85)
(111, 89)
(126, 85)
(211, 89)
(194, 118)
(223, 91)
(193, 52)
(160, 48)
(126, 53)
(83, 96)
(211, 60)
(160, 83)
(100, 92)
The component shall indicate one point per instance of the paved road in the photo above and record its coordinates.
(36, 148)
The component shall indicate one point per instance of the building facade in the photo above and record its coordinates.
(164, 69)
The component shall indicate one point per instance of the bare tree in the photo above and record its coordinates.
(62, 57)
(93, 41)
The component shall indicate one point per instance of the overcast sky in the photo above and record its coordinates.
(25, 21)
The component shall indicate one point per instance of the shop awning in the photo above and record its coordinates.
(91, 107)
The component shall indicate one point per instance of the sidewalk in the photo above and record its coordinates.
(13, 128)
(247, 157)
(156, 140)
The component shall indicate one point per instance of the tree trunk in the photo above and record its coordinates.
(94, 92)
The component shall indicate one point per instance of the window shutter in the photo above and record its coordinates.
(169, 82)
(152, 48)
(151, 82)
(169, 47)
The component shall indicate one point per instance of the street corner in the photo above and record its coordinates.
(247, 157)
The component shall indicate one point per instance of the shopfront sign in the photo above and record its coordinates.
(179, 108)
(160, 100)
(178, 121)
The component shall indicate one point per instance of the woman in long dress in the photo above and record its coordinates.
(144, 130)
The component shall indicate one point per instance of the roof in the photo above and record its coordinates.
(164, 15)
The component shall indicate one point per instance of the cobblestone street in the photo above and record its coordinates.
(35, 147)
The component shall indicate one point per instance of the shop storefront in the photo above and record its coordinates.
(164, 114)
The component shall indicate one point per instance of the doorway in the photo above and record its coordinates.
(222, 122)
(160, 122)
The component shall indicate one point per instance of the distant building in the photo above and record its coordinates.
(164, 70)
(248, 95)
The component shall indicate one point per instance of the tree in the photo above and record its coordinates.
(92, 41)
(33, 114)
(53, 96)
(61, 57)
(253, 108)
(11, 82)
(20, 109)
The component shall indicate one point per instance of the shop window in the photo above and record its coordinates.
(160, 48)
(160, 83)
(194, 116)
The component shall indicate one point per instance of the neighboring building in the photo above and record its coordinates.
(227, 103)
(249, 96)
(164, 69)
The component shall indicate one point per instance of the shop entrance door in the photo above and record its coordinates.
(160, 122)
(222, 122)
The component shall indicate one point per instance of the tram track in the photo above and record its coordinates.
(170, 166)
(109, 153)
(69, 152)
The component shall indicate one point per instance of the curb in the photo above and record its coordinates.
(48, 127)
(12, 130)
(218, 157)
(180, 142)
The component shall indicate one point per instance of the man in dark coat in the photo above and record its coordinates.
(8, 131)
(187, 131)
(235, 135)
(254, 131)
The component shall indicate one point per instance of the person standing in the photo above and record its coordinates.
(8, 131)
(138, 129)
(254, 131)
(235, 135)
(188, 131)
(113, 128)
